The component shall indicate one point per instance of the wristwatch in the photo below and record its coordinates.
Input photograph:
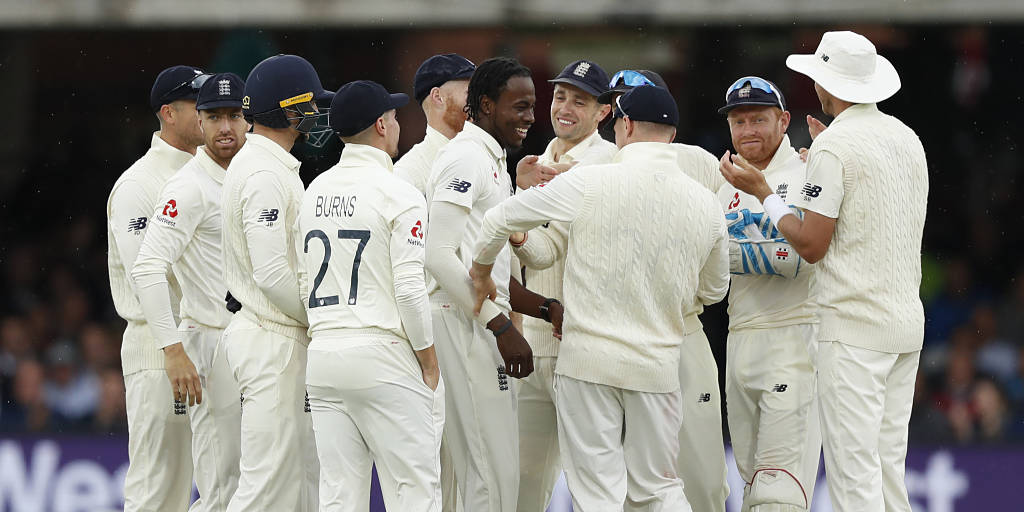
(545, 309)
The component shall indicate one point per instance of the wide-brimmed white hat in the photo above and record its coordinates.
(847, 65)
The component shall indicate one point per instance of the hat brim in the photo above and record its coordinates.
(608, 96)
(323, 95)
(397, 100)
(579, 84)
(210, 105)
(878, 87)
(727, 108)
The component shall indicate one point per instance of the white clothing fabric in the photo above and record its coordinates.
(360, 240)
(278, 469)
(414, 166)
(865, 399)
(539, 461)
(261, 197)
(184, 235)
(370, 406)
(619, 447)
(637, 348)
(868, 284)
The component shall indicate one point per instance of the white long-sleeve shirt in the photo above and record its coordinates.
(261, 197)
(414, 166)
(360, 245)
(644, 240)
(129, 207)
(468, 178)
(767, 301)
(543, 253)
(184, 235)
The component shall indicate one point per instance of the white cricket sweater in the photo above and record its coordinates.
(129, 207)
(868, 284)
(414, 166)
(628, 278)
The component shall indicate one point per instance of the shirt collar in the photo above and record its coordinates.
(492, 145)
(212, 168)
(856, 110)
(575, 153)
(274, 149)
(782, 155)
(435, 137)
(175, 156)
(361, 155)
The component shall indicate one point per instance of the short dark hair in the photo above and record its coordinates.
(490, 78)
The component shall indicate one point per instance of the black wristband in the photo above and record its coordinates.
(545, 309)
(501, 330)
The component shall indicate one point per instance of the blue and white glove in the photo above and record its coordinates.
(764, 257)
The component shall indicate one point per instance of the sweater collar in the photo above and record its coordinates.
(782, 155)
(361, 155)
(492, 145)
(274, 149)
(209, 166)
(574, 154)
(176, 157)
(647, 151)
(856, 110)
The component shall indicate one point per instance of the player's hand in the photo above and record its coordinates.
(814, 126)
(530, 172)
(803, 155)
(431, 376)
(743, 175)
(184, 378)
(515, 352)
(483, 286)
(556, 312)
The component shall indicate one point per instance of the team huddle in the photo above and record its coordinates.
(296, 337)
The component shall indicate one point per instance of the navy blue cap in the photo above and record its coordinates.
(220, 91)
(176, 83)
(281, 81)
(648, 103)
(584, 74)
(752, 90)
(357, 105)
(439, 69)
(626, 79)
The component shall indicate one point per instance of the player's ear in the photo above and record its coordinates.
(486, 105)
(603, 111)
(436, 97)
(381, 128)
(784, 118)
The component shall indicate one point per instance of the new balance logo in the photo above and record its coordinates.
(459, 185)
(703, 397)
(779, 388)
(811, 190)
(267, 215)
(224, 87)
(179, 407)
(137, 224)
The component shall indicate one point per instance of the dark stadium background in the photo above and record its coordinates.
(75, 104)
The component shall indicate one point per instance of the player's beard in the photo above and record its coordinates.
(454, 115)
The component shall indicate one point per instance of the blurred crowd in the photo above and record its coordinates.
(60, 337)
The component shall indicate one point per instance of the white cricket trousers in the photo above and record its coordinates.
(539, 461)
(481, 429)
(773, 414)
(619, 447)
(370, 406)
(278, 466)
(216, 423)
(701, 460)
(159, 473)
(865, 399)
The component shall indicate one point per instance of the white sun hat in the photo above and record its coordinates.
(847, 65)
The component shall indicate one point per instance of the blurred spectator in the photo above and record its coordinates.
(99, 350)
(111, 415)
(71, 392)
(953, 306)
(928, 424)
(27, 412)
(991, 412)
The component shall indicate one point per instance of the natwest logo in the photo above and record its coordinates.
(417, 230)
(171, 209)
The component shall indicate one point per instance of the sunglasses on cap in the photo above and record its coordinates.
(756, 83)
(629, 78)
(195, 84)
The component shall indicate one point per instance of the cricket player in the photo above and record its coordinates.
(468, 178)
(374, 385)
(159, 473)
(575, 115)
(701, 462)
(185, 235)
(617, 381)
(769, 382)
(440, 85)
(266, 341)
(864, 202)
